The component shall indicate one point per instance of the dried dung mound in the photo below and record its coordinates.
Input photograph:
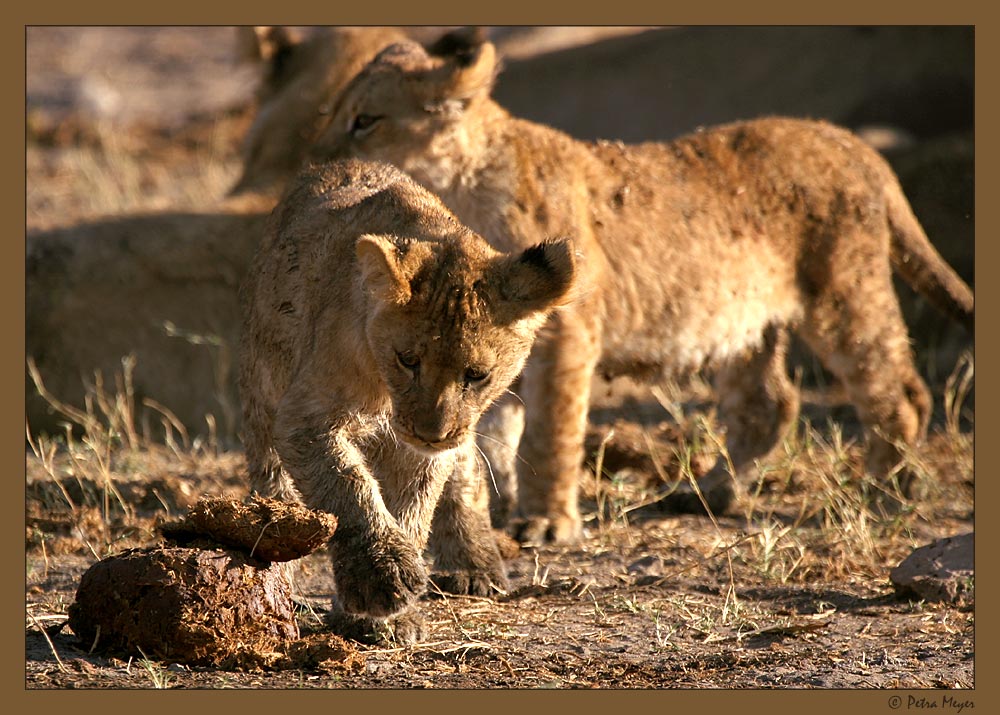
(267, 529)
(219, 608)
(217, 599)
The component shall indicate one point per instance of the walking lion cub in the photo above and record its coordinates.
(699, 253)
(377, 329)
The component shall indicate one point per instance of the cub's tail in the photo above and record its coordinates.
(922, 267)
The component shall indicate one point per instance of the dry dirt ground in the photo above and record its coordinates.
(789, 589)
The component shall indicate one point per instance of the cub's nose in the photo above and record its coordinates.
(432, 427)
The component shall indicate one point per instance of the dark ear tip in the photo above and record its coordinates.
(554, 251)
(555, 258)
(463, 44)
(541, 277)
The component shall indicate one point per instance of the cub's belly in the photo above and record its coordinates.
(679, 337)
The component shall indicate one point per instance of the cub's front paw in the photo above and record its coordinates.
(473, 566)
(471, 582)
(377, 577)
(405, 628)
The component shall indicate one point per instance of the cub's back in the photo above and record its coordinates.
(722, 215)
(765, 156)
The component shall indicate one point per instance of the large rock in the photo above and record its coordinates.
(940, 571)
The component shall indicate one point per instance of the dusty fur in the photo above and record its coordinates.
(701, 252)
(377, 329)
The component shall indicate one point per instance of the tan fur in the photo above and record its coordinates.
(697, 253)
(377, 329)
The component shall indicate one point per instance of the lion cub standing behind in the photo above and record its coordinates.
(702, 252)
(377, 330)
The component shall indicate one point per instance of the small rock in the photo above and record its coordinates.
(940, 571)
(650, 565)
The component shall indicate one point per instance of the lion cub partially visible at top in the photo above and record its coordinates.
(377, 329)
(701, 252)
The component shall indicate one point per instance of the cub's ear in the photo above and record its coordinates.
(264, 42)
(470, 66)
(462, 44)
(537, 280)
(382, 271)
(272, 48)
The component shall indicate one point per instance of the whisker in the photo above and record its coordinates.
(494, 439)
(489, 467)
(516, 397)
(513, 450)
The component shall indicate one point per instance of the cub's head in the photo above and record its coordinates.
(410, 97)
(451, 323)
(302, 73)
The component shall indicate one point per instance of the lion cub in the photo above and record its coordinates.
(701, 252)
(377, 330)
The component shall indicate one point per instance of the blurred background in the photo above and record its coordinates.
(909, 89)
(138, 121)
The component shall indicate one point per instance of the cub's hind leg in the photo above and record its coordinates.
(266, 475)
(858, 332)
(757, 401)
(758, 404)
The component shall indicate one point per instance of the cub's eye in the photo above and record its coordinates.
(476, 374)
(407, 360)
(363, 123)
